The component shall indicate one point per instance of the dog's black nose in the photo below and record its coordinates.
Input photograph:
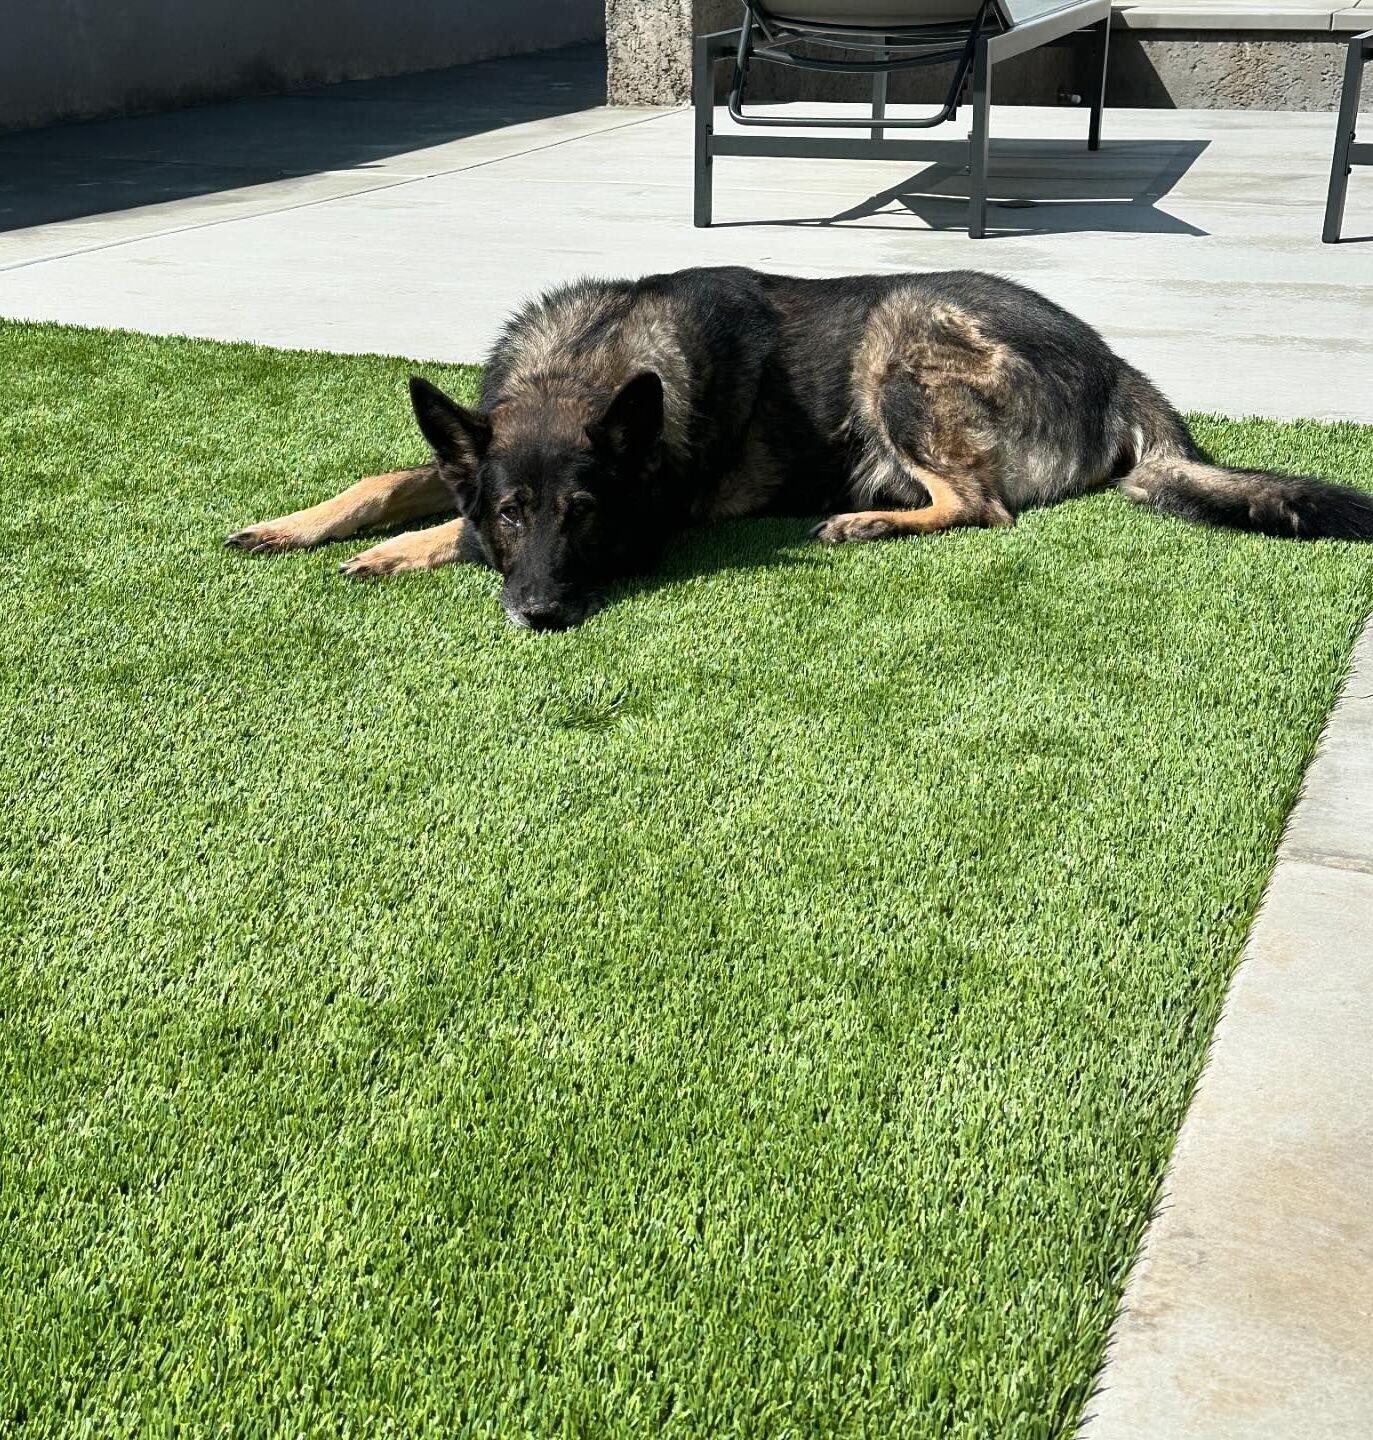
(546, 617)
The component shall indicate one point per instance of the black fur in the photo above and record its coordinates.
(971, 378)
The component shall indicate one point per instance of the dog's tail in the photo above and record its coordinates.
(1171, 473)
(1292, 506)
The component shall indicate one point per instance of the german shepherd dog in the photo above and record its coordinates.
(616, 413)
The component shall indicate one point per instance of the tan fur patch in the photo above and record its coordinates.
(533, 412)
(547, 334)
(750, 484)
(651, 340)
(951, 505)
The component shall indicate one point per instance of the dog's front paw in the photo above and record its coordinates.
(271, 537)
(853, 529)
(363, 567)
(382, 560)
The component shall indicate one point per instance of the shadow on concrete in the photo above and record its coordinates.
(1041, 188)
(65, 172)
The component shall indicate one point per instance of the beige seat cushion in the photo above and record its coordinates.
(874, 13)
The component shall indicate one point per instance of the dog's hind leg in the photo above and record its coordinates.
(386, 499)
(415, 550)
(929, 394)
(951, 505)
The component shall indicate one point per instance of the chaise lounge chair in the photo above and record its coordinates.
(877, 37)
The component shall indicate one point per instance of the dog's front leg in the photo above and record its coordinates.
(415, 550)
(379, 500)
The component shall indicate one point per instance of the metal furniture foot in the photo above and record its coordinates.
(1347, 153)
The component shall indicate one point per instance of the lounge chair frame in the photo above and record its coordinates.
(975, 47)
(1347, 152)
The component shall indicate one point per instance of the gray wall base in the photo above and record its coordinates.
(78, 59)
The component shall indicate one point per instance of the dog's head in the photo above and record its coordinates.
(549, 496)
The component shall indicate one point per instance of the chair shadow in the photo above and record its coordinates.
(1041, 188)
(96, 167)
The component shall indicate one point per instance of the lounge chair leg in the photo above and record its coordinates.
(977, 164)
(703, 101)
(879, 99)
(1100, 54)
(1344, 140)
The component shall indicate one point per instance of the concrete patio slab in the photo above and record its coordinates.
(83, 204)
(408, 216)
(1335, 822)
(1257, 16)
(1355, 18)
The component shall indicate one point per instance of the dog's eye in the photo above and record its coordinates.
(509, 514)
(581, 503)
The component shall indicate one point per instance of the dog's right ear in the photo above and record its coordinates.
(458, 437)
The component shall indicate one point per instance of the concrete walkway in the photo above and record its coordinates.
(408, 215)
(1249, 1314)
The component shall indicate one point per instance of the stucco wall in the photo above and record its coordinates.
(69, 59)
(648, 46)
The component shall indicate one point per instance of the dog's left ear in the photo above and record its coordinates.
(632, 421)
(457, 436)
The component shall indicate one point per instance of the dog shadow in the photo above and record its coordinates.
(751, 544)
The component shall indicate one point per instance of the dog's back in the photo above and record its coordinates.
(800, 395)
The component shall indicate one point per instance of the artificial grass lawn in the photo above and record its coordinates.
(764, 1011)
